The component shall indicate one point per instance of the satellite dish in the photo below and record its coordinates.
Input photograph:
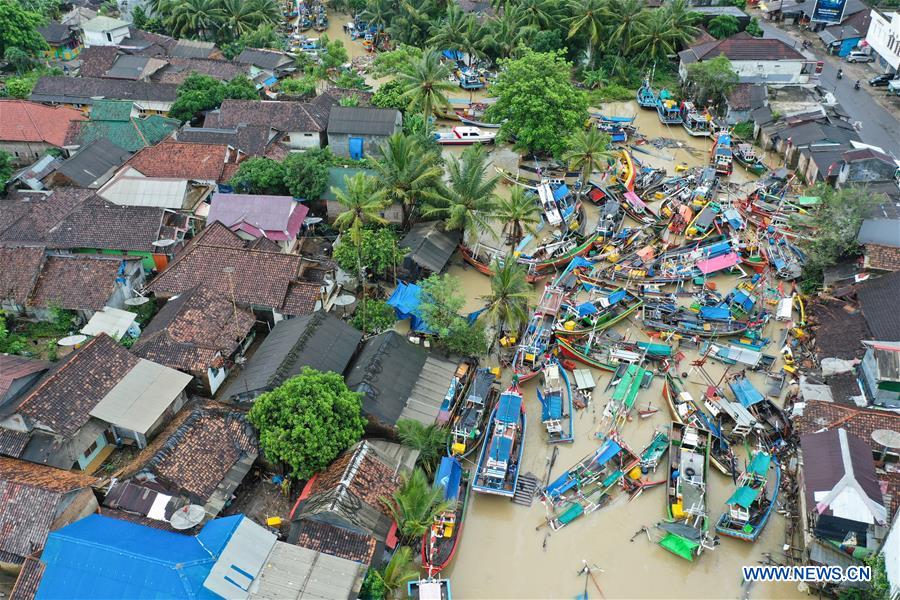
(344, 300)
(137, 301)
(312, 220)
(187, 516)
(887, 438)
(72, 341)
(162, 243)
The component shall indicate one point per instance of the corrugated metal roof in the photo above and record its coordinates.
(883, 232)
(141, 397)
(241, 560)
(295, 572)
(143, 191)
(364, 120)
(425, 399)
(429, 245)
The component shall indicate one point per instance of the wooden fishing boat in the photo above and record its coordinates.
(571, 349)
(518, 179)
(501, 454)
(696, 123)
(745, 156)
(784, 257)
(321, 23)
(687, 527)
(685, 410)
(481, 124)
(654, 451)
(646, 97)
(589, 483)
(441, 540)
(464, 136)
(704, 224)
(688, 323)
(538, 265)
(476, 257)
(556, 403)
(467, 425)
(776, 423)
(754, 259)
(429, 589)
(455, 392)
(605, 309)
(672, 266)
(667, 109)
(722, 156)
(751, 504)
(733, 354)
(626, 384)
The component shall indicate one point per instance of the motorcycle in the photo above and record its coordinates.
(840, 74)
(856, 85)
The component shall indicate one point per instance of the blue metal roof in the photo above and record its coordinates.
(103, 557)
(509, 407)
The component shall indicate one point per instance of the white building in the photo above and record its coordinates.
(104, 31)
(884, 39)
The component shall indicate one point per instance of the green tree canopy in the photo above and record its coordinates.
(198, 93)
(306, 173)
(260, 175)
(723, 26)
(373, 316)
(335, 54)
(304, 87)
(753, 28)
(441, 301)
(537, 102)
(390, 95)
(6, 168)
(18, 29)
(415, 505)
(429, 440)
(307, 421)
(379, 252)
(394, 61)
(711, 80)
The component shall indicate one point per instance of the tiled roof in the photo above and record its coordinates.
(180, 68)
(12, 442)
(363, 120)
(104, 225)
(336, 541)
(180, 160)
(190, 331)
(22, 121)
(76, 282)
(265, 59)
(201, 452)
(13, 368)
(43, 477)
(861, 422)
(63, 400)
(878, 300)
(276, 217)
(19, 270)
(256, 277)
(97, 60)
(112, 110)
(55, 33)
(301, 297)
(132, 134)
(283, 116)
(359, 471)
(839, 328)
(193, 49)
(743, 46)
(28, 580)
(85, 89)
(252, 140)
(28, 217)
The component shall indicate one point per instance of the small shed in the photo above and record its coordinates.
(430, 248)
(357, 132)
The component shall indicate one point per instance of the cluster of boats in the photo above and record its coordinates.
(305, 15)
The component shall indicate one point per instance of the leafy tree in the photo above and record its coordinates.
(723, 26)
(440, 302)
(305, 87)
(395, 61)
(507, 304)
(9, 342)
(753, 28)
(467, 202)
(6, 168)
(537, 102)
(390, 95)
(836, 221)
(263, 36)
(306, 173)
(19, 87)
(350, 80)
(429, 440)
(199, 93)
(372, 587)
(351, 101)
(307, 421)
(379, 251)
(415, 505)
(392, 581)
(18, 59)
(260, 175)
(520, 212)
(110, 8)
(139, 17)
(547, 41)
(335, 55)
(588, 151)
(425, 83)
(240, 88)
(711, 80)
(407, 172)
(18, 29)
(379, 316)
(466, 339)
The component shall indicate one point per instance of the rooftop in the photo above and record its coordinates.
(13, 368)
(278, 218)
(363, 120)
(86, 90)
(94, 163)
(112, 120)
(882, 232)
(103, 24)
(253, 140)
(180, 160)
(878, 300)
(282, 116)
(429, 245)
(742, 46)
(22, 121)
(78, 282)
(861, 422)
(265, 59)
(29, 216)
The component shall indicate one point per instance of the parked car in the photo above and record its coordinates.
(881, 80)
(858, 56)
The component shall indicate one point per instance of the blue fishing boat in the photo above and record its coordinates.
(615, 131)
(556, 403)
(440, 542)
(696, 123)
(646, 98)
(498, 464)
(722, 155)
(667, 109)
(775, 421)
(429, 589)
(751, 504)
(467, 424)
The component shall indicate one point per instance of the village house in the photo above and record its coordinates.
(358, 132)
(134, 68)
(32, 176)
(756, 60)
(83, 92)
(18, 374)
(36, 501)
(29, 129)
(195, 49)
(880, 240)
(203, 163)
(130, 187)
(879, 374)
(100, 396)
(842, 38)
(340, 510)
(300, 125)
(318, 340)
(62, 40)
(104, 31)
(429, 248)
(28, 217)
(200, 332)
(275, 218)
(120, 123)
(251, 140)
(177, 70)
(266, 66)
(89, 167)
(883, 37)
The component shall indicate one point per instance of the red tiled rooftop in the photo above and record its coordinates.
(182, 160)
(22, 121)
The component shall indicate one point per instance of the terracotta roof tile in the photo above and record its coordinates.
(861, 422)
(12, 443)
(19, 270)
(371, 480)
(28, 580)
(28, 217)
(743, 46)
(336, 541)
(64, 399)
(42, 476)
(281, 115)
(182, 160)
(100, 224)
(192, 330)
(180, 68)
(97, 60)
(22, 121)
(78, 282)
(13, 368)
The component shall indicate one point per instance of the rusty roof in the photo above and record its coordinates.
(336, 541)
(42, 476)
(182, 160)
(19, 270)
(80, 282)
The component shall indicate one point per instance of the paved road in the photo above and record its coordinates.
(879, 127)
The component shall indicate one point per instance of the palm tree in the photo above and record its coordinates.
(588, 152)
(507, 304)
(588, 16)
(195, 18)
(240, 16)
(362, 202)
(378, 13)
(682, 28)
(723, 26)
(407, 172)
(450, 30)
(505, 34)
(519, 211)
(415, 505)
(467, 202)
(626, 15)
(425, 82)
(429, 440)
(654, 40)
(474, 40)
(539, 14)
(398, 572)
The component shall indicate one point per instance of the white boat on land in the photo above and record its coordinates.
(460, 136)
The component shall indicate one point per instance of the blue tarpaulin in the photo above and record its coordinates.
(551, 406)
(453, 55)
(744, 392)
(509, 407)
(448, 477)
(580, 261)
(560, 192)
(586, 308)
(743, 300)
(406, 300)
(715, 313)
(607, 451)
(616, 296)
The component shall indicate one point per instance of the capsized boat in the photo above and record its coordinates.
(687, 527)
(467, 425)
(773, 418)
(463, 136)
(605, 308)
(722, 156)
(746, 156)
(441, 540)
(498, 464)
(674, 320)
(557, 407)
(751, 504)
(590, 483)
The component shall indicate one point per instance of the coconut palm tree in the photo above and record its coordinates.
(398, 572)
(588, 17)
(505, 34)
(682, 23)
(653, 42)
(520, 212)
(539, 14)
(723, 26)
(449, 31)
(429, 440)
(240, 16)
(474, 40)
(378, 13)
(588, 152)
(363, 202)
(467, 202)
(407, 172)
(415, 505)
(425, 82)
(626, 18)
(507, 304)
(195, 19)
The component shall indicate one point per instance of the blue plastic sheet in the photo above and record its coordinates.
(715, 313)
(509, 407)
(405, 301)
(586, 309)
(448, 477)
(560, 192)
(745, 393)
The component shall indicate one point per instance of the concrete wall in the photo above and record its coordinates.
(884, 39)
(339, 144)
(104, 38)
(85, 459)
(25, 153)
(302, 140)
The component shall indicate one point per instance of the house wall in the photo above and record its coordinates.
(884, 39)
(147, 258)
(131, 276)
(215, 377)
(66, 51)
(74, 506)
(86, 457)
(105, 38)
(302, 140)
(789, 72)
(882, 258)
(339, 144)
(24, 153)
